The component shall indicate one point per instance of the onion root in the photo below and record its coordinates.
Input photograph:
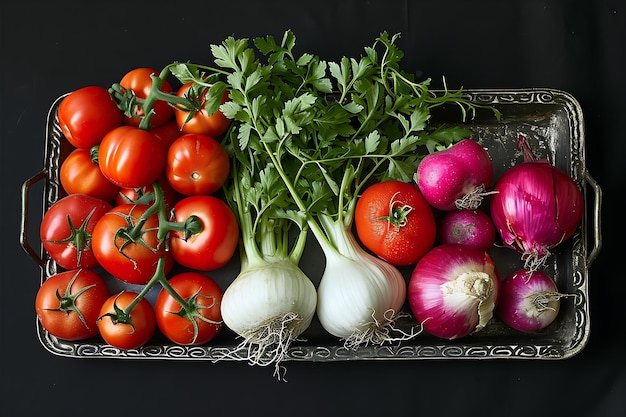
(268, 343)
(378, 332)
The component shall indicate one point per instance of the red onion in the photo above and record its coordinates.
(529, 301)
(453, 290)
(535, 207)
(456, 177)
(467, 227)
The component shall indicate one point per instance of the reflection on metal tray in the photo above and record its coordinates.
(553, 123)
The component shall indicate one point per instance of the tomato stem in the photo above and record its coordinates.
(158, 206)
(158, 278)
(398, 213)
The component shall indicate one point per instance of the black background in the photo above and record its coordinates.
(50, 48)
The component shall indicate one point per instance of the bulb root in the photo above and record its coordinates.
(267, 344)
(533, 261)
(473, 199)
(542, 301)
(378, 332)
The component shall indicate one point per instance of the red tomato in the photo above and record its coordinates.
(394, 221)
(68, 303)
(126, 330)
(138, 80)
(130, 157)
(130, 258)
(79, 174)
(66, 230)
(86, 115)
(214, 245)
(202, 322)
(196, 164)
(200, 121)
(167, 132)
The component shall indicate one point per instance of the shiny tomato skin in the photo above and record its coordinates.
(167, 133)
(79, 174)
(397, 244)
(138, 80)
(123, 335)
(201, 122)
(66, 323)
(86, 115)
(180, 330)
(131, 157)
(134, 262)
(66, 230)
(196, 165)
(215, 244)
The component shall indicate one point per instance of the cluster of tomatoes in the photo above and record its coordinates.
(139, 201)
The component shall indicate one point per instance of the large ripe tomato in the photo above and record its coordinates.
(131, 157)
(68, 303)
(66, 230)
(80, 174)
(126, 330)
(87, 114)
(200, 121)
(138, 80)
(132, 258)
(214, 245)
(394, 221)
(196, 164)
(202, 322)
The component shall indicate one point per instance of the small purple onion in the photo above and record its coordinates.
(467, 227)
(456, 177)
(529, 301)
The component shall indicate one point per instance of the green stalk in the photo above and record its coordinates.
(158, 278)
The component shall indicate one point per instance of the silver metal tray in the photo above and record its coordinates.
(553, 123)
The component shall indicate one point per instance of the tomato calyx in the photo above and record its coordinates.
(127, 101)
(190, 309)
(121, 316)
(67, 301)
(132, 234)
(135, 107)
(79, 238)
(398, 213)
(93, 154)
(196, 97)
(192, 226)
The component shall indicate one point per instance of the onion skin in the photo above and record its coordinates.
(356, 289)
(529, 301)
(446, 176)
(467, 227)
(268, 292)
(536, 207)
(441, 294)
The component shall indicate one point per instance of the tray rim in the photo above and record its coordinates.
(458, 349)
